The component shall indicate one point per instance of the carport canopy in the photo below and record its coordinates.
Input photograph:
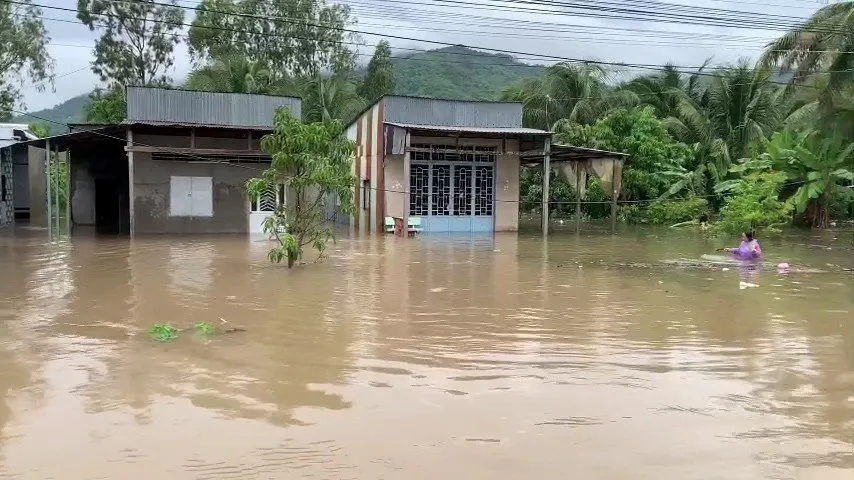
(554, 153)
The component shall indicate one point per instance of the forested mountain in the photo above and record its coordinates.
(459, 73)
(452, 72)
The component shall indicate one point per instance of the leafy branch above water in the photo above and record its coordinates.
(166, 332)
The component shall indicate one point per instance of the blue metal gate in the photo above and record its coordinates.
(453, 190)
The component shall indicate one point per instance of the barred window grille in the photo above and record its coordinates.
(419, 196)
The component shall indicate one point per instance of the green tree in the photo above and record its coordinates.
(313, 162)
(644, 137)
(23, 52)
(138, 39)
(379, 80)
(106, 106)
(330, 98)
(301, 38)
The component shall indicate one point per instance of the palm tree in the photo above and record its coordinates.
(577, 93)
(330, 98)
(237, 74)
(742, 107)
(824, 44)
(669, 90)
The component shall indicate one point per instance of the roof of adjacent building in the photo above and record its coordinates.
(436, 112)
(8, 135)
(163, 106)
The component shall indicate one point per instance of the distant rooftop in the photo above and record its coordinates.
(162, 106)
(436, 112)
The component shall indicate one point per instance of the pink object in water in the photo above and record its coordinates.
(783, 267)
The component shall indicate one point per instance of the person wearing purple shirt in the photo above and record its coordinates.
(749, 248)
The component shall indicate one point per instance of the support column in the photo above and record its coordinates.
(547, 173)
(407, 167)
(68, 194)
(614, 194)
(48, 187)
(131, 197)
(56, 187)
(578, 166)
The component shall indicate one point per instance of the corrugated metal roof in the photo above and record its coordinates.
(205, 108)
(451, 113)
(466, 129)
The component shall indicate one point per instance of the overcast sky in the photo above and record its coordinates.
(477, 24)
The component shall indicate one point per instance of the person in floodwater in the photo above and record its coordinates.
(749, 248)
(703, 221)
(749, 252)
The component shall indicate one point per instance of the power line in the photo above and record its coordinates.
(400, 37)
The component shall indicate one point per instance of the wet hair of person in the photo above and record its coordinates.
(704, 218)
(749, 234)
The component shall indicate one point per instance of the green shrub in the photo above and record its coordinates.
(840, 203)
(561, 194)
(755, 204)
(596, 193)
(669, 212)
(633, 214)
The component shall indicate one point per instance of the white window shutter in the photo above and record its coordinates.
(202, 197)
(180, 197)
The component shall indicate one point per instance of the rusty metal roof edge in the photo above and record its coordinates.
(162, 123)
(98, 131)
(444, 128)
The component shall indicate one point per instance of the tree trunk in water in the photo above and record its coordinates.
(817, 213)
(292, 258)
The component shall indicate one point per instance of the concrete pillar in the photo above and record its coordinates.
(407, 166)
(68, 194)
(578, 166)
(131, 197)
(547, 173)
(47, 150)
(56, 186)
(614, 195)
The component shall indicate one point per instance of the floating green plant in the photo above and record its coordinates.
(204, 328)
(163, 332)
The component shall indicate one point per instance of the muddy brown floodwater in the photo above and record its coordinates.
(458, 358)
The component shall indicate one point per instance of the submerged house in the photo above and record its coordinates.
(14, 179)
(177, 164)
(458, 160)
(455, 165)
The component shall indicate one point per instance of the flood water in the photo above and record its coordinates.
(431, 358)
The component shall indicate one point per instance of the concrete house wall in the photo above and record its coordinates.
(151, 189)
